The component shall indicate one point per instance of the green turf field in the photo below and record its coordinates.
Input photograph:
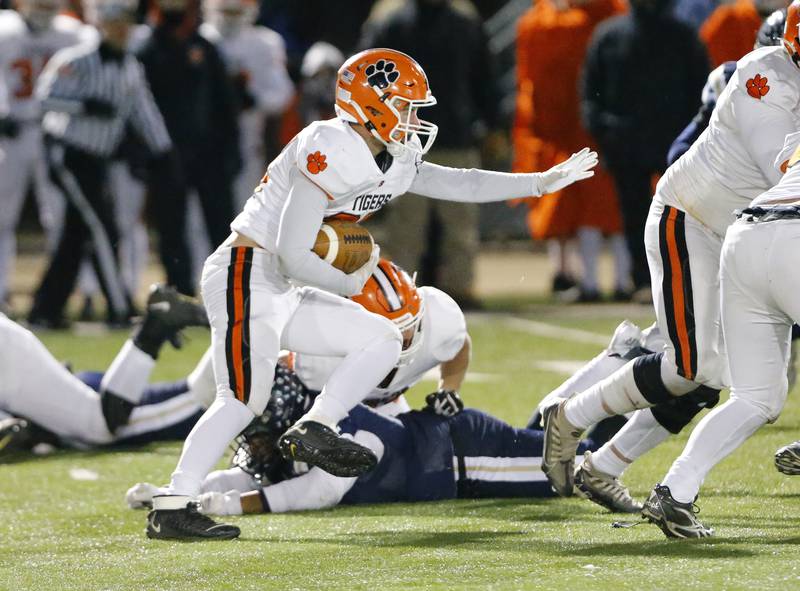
(61, 533)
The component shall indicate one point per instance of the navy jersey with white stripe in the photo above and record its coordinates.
(94, 71)
(428, 458)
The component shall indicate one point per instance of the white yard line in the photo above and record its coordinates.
(543, 329)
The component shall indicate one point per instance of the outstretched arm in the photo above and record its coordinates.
(474, 185)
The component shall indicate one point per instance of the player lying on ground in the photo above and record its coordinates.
(731, 162)
(36, 387)
(351, 165)
(422, 456)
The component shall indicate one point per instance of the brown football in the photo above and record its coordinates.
(343, 244)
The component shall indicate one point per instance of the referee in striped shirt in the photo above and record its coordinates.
(89, 94)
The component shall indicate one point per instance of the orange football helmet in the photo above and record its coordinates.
(791, 41)
(382, 89)
(391, 293)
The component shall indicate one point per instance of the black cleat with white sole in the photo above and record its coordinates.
(318, 445)
(676, 520)
(187, 524)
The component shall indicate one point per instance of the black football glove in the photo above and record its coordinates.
(445, 403)
(98, 108)
(8, 127)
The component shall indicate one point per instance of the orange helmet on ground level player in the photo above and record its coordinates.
(382, 89)
(791, 41)
(391, 293)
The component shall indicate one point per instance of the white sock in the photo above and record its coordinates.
(622, 261)
(354, 379)
(129, 373)
(719, 433)
(207, 442)
(638, 436)
(590, 242)
(555, 255)
(615, 395)
(597, 369)
(201, 381)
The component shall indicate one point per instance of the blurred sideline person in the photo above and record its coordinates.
(36, 387)
(28, 38)
(731, 30)
(551, 44)
(181, 63)
(348, 166)
(89, 94)
(748, 141)
(256, 61)
(638, 65)
(439, 239)
(315, 92)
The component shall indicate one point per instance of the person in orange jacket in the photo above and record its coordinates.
(730, 32)
(551, 43)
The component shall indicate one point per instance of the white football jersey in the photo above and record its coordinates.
(23, 55)
(337, 160)
(443, 332)
(735, 159)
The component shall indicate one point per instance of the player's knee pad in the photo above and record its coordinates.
(647, 375)
(116, 410)
(770, 400)
(675, 414)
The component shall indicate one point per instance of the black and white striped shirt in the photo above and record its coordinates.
(94, 71)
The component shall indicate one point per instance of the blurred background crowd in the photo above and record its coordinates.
(520, 86)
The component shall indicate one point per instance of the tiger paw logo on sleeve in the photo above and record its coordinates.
(757, 86)
(316, 163)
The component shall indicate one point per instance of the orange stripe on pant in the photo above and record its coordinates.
(238, 319)
(678, 303)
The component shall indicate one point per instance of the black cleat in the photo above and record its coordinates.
(15, 437)
(187, 524)
(676, 520)
(167, 312)
(318, 445)
(787, 459)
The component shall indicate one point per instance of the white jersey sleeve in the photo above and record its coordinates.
(472, 185)
(447, 328)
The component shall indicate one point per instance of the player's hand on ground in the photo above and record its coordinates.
(217, 503)
(140, 495)
(445, 403)
(362, 274)
(575, 168)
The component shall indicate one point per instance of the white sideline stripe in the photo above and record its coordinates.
(543, 329)
(567, 367)
(333, 243)
(433, 375)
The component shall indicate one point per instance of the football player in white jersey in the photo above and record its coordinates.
(28, 39)
(351, 165)
(760, 280)
(35, 386)
(256, 60)
(737, 157)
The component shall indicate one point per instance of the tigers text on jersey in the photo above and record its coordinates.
(734, 159)
(338, 161)
(23, 55)
(443, 332)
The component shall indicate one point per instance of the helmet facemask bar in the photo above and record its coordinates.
(407, 134)
(413, 336)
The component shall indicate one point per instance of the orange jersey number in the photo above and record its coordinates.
(26, 77)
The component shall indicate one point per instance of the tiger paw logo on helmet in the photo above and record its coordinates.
(382, 73)
(316, 163)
